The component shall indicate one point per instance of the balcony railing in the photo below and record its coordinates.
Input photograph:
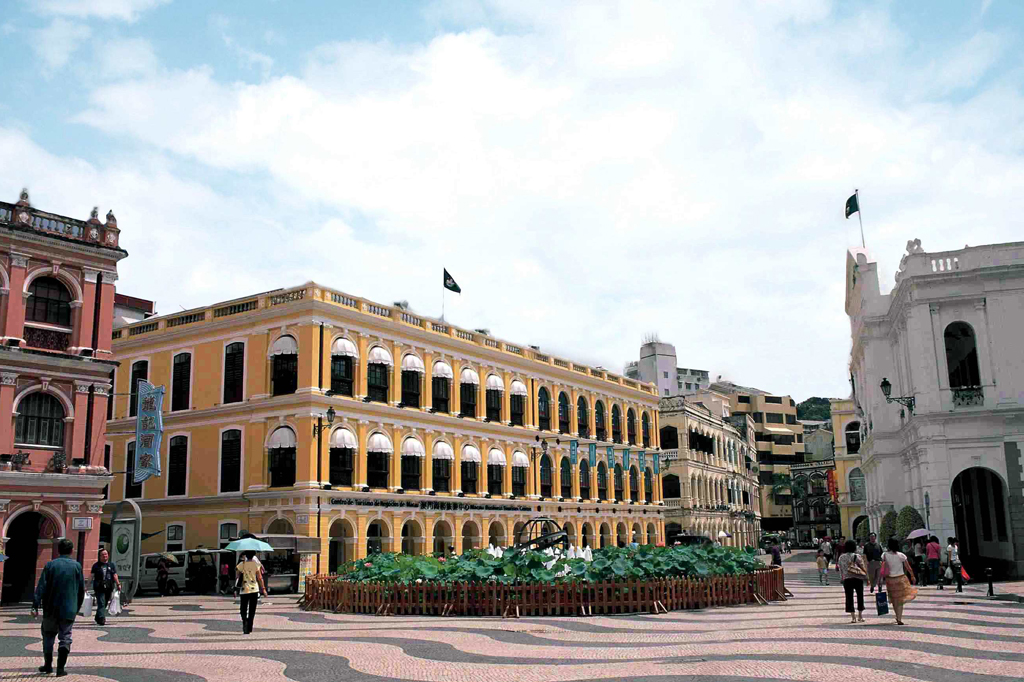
(968, 396)
(47, 339)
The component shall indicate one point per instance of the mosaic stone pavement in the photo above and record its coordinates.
(198, 639)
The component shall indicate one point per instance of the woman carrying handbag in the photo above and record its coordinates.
(853, 571)
(898, 577)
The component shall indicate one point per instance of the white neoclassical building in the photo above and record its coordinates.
(948, 341)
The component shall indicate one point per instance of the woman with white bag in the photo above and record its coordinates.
(104, 579)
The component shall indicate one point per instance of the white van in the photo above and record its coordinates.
(148, 570)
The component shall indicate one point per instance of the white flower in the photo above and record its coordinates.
(419, 580)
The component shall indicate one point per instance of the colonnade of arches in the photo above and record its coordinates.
(419, 534)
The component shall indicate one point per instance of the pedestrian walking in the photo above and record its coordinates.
(225, 578)
(104, 579)
(251, 576)
(853, 570)
(776, 554)
(840, 548)
(60, 593)
(953, 556)
(826, 548)
(822, 568)
(919, 562)
(933, 552)
(873, 555)
(899, 577)
(162, 574)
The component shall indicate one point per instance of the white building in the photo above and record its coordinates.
(948, 337)
(657, 365)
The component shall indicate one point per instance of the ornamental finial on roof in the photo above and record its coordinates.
(23, 197)
(94, 215)
(111, 220)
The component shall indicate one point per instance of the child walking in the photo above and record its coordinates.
(822, 568)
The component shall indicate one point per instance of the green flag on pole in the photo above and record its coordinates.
(450, 284)
(852, 206)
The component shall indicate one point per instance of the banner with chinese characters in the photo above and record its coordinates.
(625, 459)
(640, 459)
(593, 455)
(611, 458)
(833, 490)
(657, 468)
(149, 429)
(573, 451)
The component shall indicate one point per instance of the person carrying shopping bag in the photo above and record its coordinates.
(104, 579)
(853, 571)
(251, 577)
(899, 577)
(953, 556)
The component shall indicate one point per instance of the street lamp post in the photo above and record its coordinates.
(907, 401)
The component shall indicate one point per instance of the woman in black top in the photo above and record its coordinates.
(104, 578)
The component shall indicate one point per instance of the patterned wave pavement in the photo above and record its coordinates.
(948, 637)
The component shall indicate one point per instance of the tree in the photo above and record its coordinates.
(781, 485)
(887, 528)
(862, 530)
(814, 409)
(908, 520)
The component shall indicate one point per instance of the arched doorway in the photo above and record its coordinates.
(606, 535)
(29, 548)
(652, 534)
(981, 520)
(855, 529)
(496, 534)
(470, 536)
(670, 487)
(376, 537)
(672, 531)
(412, 537)
(638, 534)
(621, 535)
(280, 527)
(570, 532)
(443, 538)
(341, 539)
(587, 535)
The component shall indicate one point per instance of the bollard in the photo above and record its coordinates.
(991, 589)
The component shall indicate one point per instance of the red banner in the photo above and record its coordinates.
(833, 490)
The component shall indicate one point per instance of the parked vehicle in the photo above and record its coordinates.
(195, 571)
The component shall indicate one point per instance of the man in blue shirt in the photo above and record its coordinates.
(60, 593)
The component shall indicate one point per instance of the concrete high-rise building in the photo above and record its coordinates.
(938, 389)
(657, 365)
(780, 444)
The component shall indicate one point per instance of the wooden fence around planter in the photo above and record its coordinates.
(540, 599)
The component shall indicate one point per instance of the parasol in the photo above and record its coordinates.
(169, 557)
(249, 545)
(919, 533)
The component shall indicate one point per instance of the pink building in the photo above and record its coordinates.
(57, 279)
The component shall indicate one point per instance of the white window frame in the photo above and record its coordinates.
(188, 463)
(220, 455)
(191, 378)
(224, 522)
(223, 367)
(167, 536)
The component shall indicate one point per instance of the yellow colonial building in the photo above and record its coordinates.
(846, 428)
(710, 474)
(336, 427)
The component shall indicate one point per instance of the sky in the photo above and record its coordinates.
(589, 173)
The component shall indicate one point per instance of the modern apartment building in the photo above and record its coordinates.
(657, 365)
(780, 444)
(938, 389)
(338, 427)
(58, 277)
(710, 477)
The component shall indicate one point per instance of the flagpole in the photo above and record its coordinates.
(856, 193)
(442, 300)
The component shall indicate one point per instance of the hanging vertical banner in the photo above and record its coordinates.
(657, 468)
(573, 450)
(640, 460)
(593, 455)
(625, 459)
(611, 457)
(149, 430)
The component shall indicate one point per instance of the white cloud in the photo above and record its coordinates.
(55, 44)
(588, 174)
(248, 57)
(124, 10)
(127, 57)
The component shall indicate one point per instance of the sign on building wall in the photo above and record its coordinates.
(81, 523)
(625, 459)
(611, 457)
(657, 468)
(640, 459)
(149, 429)
(593, 455)
(573, 452)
